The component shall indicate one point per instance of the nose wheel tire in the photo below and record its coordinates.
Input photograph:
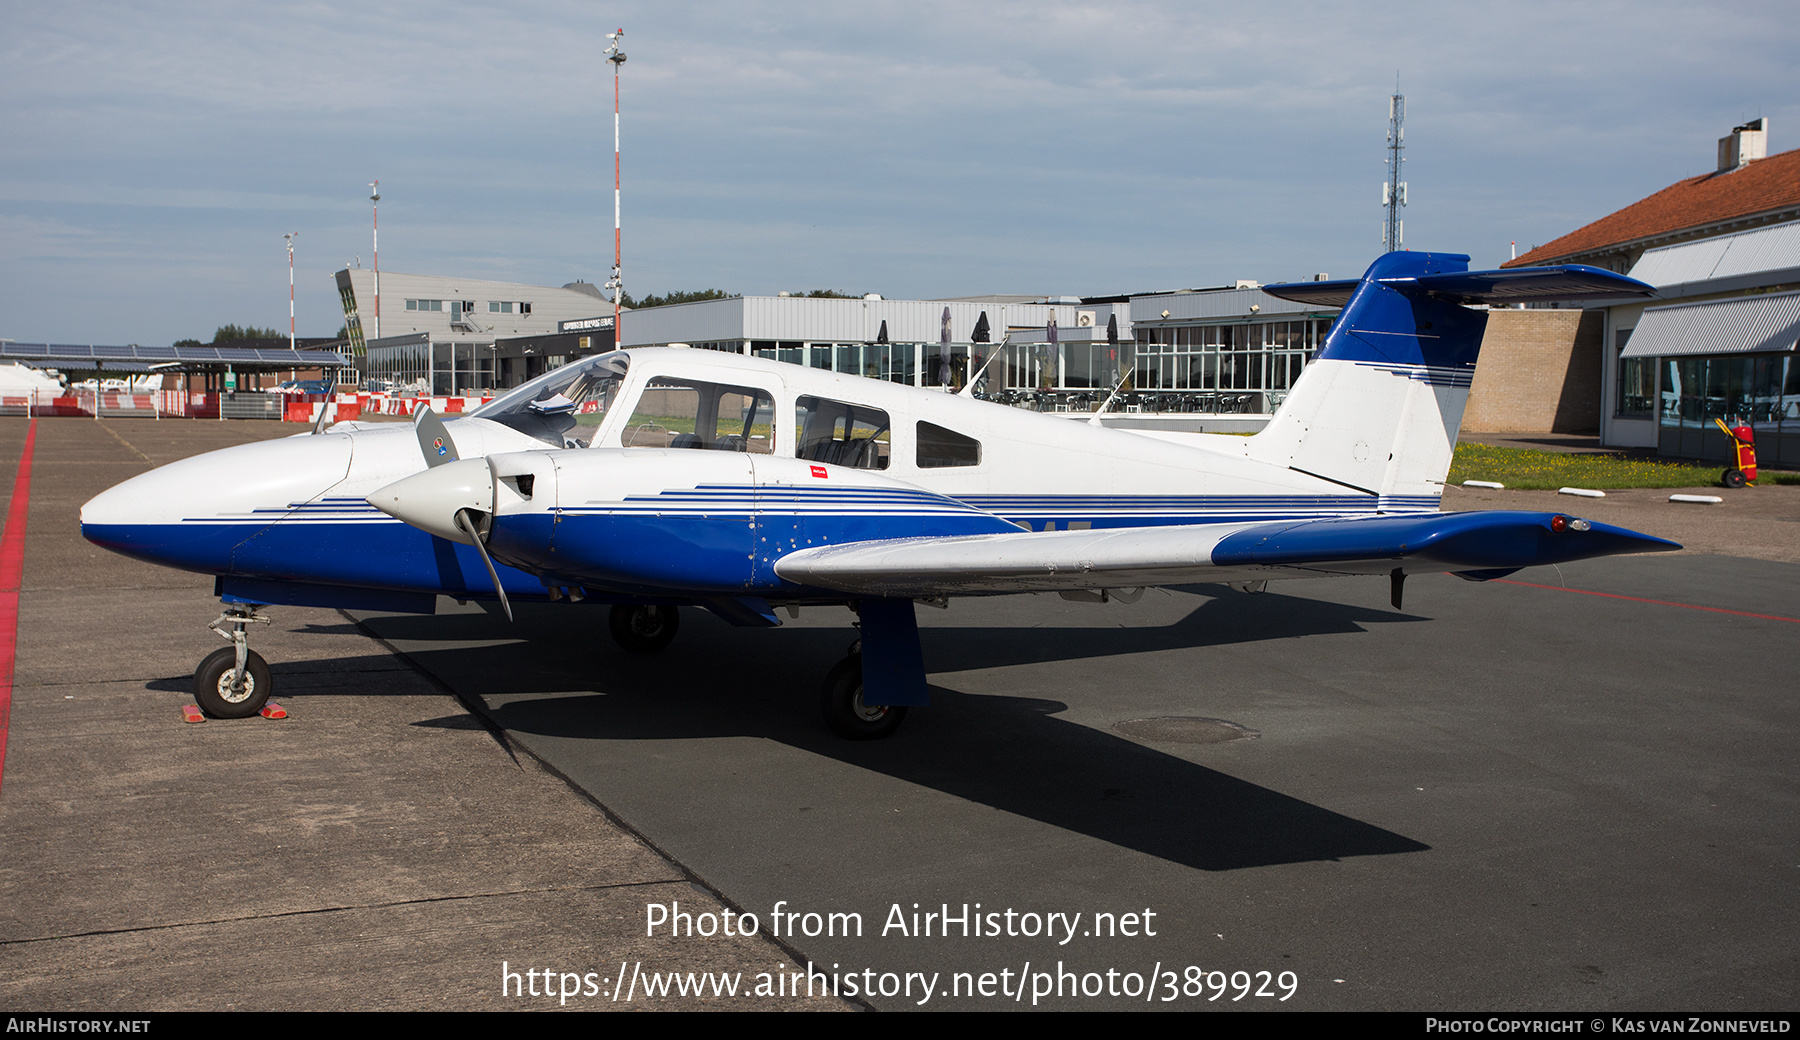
(220, 697)
(841, 702)
(644, 629)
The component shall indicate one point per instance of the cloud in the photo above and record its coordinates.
(910, 148)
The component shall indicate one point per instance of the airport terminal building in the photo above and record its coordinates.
(451, 336)
(1210, 359)
(1230, 351)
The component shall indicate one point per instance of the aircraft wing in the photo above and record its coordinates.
(1479, 545)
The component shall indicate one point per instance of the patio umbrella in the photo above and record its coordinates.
(944, 352)
(1112, 345)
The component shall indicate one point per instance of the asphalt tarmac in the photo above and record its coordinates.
(1571, 790)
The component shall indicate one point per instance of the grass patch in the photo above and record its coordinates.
(1528, 470)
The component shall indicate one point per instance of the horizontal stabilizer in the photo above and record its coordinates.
(1048, 561)
(1568, 282)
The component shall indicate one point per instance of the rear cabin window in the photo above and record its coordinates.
(680, 413)
(841, 433)
(940, 448)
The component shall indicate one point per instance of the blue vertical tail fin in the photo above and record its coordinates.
(1379, 407)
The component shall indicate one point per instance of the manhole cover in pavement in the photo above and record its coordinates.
(1186, 730)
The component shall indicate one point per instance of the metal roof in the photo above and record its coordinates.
(1747, 324)
(1764, 249)
(1247, 304)
(102, 355)
(807, 319)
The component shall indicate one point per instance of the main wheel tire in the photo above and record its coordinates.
(217, 697)
(644, 629)
(1734, 478)
(841, 702)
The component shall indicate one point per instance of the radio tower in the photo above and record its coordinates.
(1393, 190)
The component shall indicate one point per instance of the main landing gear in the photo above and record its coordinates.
(841, 702)
(644, 628)
(233, 682)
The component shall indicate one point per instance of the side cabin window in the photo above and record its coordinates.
(940, 448)
(840, 433)
(684, 413)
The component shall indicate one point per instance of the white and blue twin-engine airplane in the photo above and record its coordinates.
(810, 487)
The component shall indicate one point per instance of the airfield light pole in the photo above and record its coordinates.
(616, 56)
(290, 236)
(1393, 190)
(375, 231)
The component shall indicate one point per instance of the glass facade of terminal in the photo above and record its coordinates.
(1240, 367)
(1761, 389)
(447, 369)
(1219, 366)
(1263, 357)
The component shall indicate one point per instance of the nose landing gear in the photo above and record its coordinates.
(233, 682)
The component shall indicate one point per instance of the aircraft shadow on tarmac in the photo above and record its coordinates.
(558, 675)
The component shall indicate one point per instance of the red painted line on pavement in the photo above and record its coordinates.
(1658, 602)
(12, 567)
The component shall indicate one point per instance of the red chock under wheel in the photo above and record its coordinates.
(192, 713)
(272, 710)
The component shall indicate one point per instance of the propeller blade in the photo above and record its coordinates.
(467, 523)
(434, 439)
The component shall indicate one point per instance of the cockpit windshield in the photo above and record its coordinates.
(564, 407)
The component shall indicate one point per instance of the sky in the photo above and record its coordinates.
(156, 153)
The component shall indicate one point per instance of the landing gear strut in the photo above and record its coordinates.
(841, 702)
(233, 682)
(644, 628)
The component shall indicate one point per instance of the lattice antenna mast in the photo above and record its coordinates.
(1393, 190)
(616, 56)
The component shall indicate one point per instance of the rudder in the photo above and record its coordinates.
(1378, 409)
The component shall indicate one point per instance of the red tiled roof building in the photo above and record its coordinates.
(1747, 190)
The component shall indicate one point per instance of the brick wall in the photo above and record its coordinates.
(1539, 372)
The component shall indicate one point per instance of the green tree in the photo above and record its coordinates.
(680, 296)
(187, 343)
(231, 333)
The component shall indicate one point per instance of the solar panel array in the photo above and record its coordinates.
(168, 355)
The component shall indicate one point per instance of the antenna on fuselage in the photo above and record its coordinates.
(969, 390)
(1094, 420)
(324, 418)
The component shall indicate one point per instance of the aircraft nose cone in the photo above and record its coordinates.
(191, 513)
(430, 500)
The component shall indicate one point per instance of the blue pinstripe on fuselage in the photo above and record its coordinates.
(709, 539)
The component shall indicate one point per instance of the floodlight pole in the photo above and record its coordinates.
(616, 57)
(375, 231)
(290, 236)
